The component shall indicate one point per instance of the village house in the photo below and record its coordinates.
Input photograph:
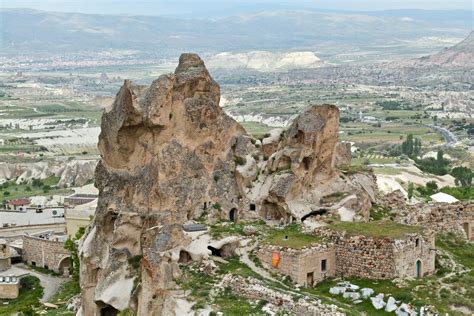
(17, 205)
(79, 216)
(410, 254)
(9, 287)
(306, 266)
(9, 284)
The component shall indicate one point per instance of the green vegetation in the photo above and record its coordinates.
(463, 176)
(42, 270)
(460, 193)
(411, 147)
(70, 245)
(334, 197)
(66, 292)
(378, 212)
(223, 229)
(392, 105)
(438, 166)
(28, 300)
(291, 236)
(428, 190)
(200, 285)
(377, 229)
(411, 190)
(37, 187)
(234, 266)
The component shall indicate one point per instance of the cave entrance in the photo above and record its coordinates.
(233, 215)
(322, 211)
(108, 310)
(215, 251)
(272, 211)
(184, 257)
(306, 162)
(253, 207)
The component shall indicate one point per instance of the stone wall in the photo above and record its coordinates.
(365, 257)
(414, 248)
(374, 258)
(5, 264)
(298, 263)
(442, 217)
(45, 253)
(9, 289)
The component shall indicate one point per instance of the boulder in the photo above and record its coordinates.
(391, 305)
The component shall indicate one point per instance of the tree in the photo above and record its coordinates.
(463, 176)
(439, 156)
(431, 187)
(70, 245)
(411, 189)
(411, 146)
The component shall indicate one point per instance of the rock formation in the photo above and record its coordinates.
(169, 154)
(72, 173)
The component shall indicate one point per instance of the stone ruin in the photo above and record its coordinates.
(169, 154)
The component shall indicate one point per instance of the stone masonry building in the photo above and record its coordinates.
(306, 266)
(47, 250)
(412, 255)
(5, 261)
(9, 287)
(409, 256)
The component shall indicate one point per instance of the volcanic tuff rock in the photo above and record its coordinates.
(72, 173)
(169, 154)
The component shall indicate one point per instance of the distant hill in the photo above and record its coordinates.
(264, 61)
(461, 55)
(30, 31)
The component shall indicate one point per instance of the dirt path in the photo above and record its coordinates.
(51, 284)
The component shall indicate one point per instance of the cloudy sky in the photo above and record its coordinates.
(209, 8)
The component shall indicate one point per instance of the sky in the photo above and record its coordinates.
(218, 8)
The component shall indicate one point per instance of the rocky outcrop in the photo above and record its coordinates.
(169, 154)
(302, 172)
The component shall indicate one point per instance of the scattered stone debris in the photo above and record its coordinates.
(378, 301)
(252, 288)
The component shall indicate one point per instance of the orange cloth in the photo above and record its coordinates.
(275, 259)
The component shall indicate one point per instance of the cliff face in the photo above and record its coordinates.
(169, 154)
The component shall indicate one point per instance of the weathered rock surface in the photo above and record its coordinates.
(169, 154)
(168, 151)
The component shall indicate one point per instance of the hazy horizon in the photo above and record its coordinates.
(214, 8)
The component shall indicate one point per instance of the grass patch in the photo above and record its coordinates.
(27, 301)
(66, 292)
(378, 212)
(42, 270)
(377, 229)
(235, 266)
(296, 238)
(228, 228)
(230, 304)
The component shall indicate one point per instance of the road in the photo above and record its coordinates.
(450, 139)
